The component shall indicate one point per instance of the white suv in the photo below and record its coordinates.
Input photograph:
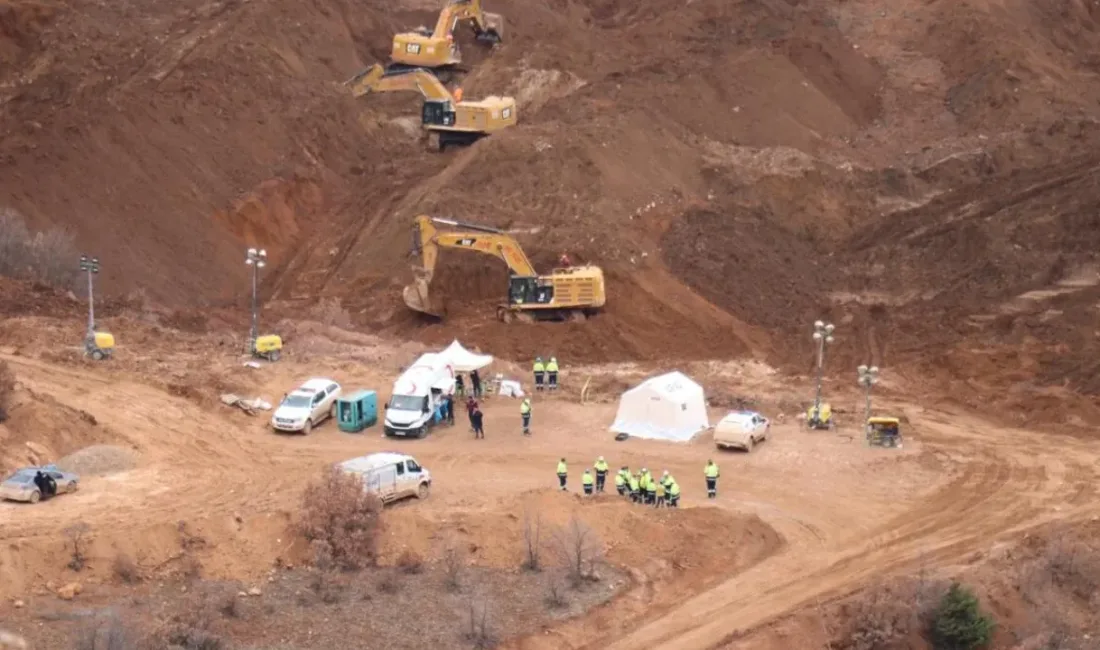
(306, 406)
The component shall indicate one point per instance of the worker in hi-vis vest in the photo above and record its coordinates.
(539, 370)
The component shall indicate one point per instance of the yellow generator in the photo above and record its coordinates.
(268, 347)
(99, 345)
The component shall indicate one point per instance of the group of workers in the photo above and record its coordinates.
(639, 486)
(475, 385)
(546, 372)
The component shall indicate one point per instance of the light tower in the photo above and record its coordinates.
(823, 335)
(257, 260)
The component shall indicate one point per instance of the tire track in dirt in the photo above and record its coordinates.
(989, 499)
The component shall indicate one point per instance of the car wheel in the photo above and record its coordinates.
(332, 411)
(423, 491)
(73, 486)
(307, 427)
(97, 355)
(421, 433)
(36, 496)
(274, 356)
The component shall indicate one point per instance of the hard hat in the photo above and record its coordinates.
(586, 471)
(538, 358)
(644, 469)
(553, 358)
(600, 458)
(666, 472)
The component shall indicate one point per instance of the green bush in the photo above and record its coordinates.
(958, 623)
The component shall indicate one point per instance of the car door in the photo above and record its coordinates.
(316, 407)
(331, 394)
(401, 489)
(60, 480)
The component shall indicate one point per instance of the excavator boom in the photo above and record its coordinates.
(569, 292)
(427, 240)
(437, 49)
(377, 79)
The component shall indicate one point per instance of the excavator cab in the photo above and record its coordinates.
(524, 290)
(437, 113)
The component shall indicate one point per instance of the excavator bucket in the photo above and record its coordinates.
(418, 298)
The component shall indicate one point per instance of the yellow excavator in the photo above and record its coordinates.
(572, 293)
(447, 118)
(436, 49)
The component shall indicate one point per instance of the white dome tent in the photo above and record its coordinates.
(668, 407)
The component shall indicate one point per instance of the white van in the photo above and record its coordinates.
(741, 430)
(391, 476)
(417, 398)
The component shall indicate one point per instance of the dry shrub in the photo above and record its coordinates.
(190, 567)
(1069, 565)
(452, 567)
(479, 633)
(328, 587)
(579, 549)
(532, 540)
(230, 606)
(555, 594)
(45, 257)
(388, 583)
(886, 615)
(111, 633)
(341, 520)
(192, 627)
(125, 569)
(77, 534)
(410, 562)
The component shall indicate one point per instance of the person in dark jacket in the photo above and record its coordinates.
(449, 408)
(476, 418)
(460, 386)
(475, 383)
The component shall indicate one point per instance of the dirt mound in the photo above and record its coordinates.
(737, 169)
(41, 430)
(98, 460)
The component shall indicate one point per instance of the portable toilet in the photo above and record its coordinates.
(357, 411)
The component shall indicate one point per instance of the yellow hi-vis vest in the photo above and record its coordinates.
(711, 471)
(561, 469)
(525, 407)
(619, 480)
(601, 466)
(587, 479)
(539, 367)
(552, 366)
(674, 489)
(633, 483)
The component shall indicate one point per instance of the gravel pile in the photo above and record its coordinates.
(98, 460)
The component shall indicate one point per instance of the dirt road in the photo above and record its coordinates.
(845, 512)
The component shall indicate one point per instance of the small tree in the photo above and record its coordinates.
(341, 519)
(579, 549)
(959, 623)
(77, 533)
(452, 567)
(532, 540)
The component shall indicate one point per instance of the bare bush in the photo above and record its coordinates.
(125, 569)
(479, 633)
(452, 567)
(46, 257)
(77, 534)
(410, 562)
(555, 594)
(1070, 565)
(341, 520)
(579, 549)
(389, 584)
(192, 627)
(328, 587)
(230, 606)
(189, 541)
(532, 540)
(107, 634)
(885, 615)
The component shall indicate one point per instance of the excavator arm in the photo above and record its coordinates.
(427, 240)
(377, 79)
(487, 26)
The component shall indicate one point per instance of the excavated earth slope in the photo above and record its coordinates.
(921, 173)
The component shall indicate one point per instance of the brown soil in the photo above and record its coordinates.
(921, 174)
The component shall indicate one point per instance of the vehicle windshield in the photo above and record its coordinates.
(411, 464)
(296, 401)
(407, 403)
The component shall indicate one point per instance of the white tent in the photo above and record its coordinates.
(462, 360)
(668, 407)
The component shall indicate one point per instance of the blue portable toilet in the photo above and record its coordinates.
(357, 411)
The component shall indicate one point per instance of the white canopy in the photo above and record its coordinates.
(668, 407)
(462, 360)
